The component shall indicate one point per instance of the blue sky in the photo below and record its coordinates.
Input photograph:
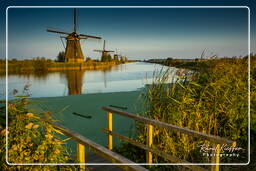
(139, 33)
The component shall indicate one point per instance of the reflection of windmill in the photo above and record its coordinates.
(73, 51)
(104, 53)
(74, 82)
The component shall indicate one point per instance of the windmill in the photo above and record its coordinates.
(117, 55)
(73, 51)
(104, 53)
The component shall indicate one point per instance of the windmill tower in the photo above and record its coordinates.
(73, 51)
(104, 53)
(117, 55)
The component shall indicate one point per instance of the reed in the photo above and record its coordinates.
(212, 100)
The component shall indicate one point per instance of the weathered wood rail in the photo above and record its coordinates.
(149, 141)
(83, 142)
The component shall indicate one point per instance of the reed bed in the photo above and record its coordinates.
(213, 99)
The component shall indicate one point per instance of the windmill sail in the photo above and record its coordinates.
(73, 51)
(105, 56)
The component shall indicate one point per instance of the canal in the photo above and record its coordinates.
(85, 92)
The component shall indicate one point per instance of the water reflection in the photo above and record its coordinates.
(74, 81)
(126, 77)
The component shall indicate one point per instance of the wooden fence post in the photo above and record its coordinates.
(149, 142)
(217, 167)
(216, 158)
(110, 128)
(81, 155)
(234, 144)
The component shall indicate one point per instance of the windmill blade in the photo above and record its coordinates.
(74, 19)
(54, 31)
(98, 50)
(61, 37)
(109, 51)
(88, 36)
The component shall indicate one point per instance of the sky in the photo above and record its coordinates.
(139, 33)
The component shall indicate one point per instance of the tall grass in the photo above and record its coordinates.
(213, 101)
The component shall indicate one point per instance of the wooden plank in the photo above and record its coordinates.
(212, 138)
(104, 152)
(92, 157)
(149, 156)
(155, 151)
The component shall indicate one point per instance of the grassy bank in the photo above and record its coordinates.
(214, 101)
(45, 65)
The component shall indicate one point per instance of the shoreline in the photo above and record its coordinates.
(30, 68)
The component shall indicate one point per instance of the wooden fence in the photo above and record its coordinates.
(83, 142)
(149, 141)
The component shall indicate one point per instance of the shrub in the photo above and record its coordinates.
(31, 139)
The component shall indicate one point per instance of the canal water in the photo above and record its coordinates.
(120, 78)
(85, 92)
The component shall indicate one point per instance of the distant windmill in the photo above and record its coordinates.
(73, 51)
(104, 53)
(117, 55)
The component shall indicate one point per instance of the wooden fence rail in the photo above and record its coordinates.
(83, 142)
(149, 141)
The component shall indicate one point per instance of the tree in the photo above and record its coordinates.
(88, 59)
(61, 56)
(116, 57)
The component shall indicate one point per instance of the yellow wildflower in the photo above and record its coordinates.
(57, 151)
(35, 126)
(11, 107)
(29, 126)
(30, 114)
(58, 142)
(48, 130)
(3, 132)
(14, 147)
(49, 136)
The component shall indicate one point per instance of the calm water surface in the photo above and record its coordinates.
(125, 77)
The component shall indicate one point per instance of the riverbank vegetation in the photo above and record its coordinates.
(41, 64)
(31, 139)
(213, 101)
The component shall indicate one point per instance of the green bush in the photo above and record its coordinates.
(31, 139)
